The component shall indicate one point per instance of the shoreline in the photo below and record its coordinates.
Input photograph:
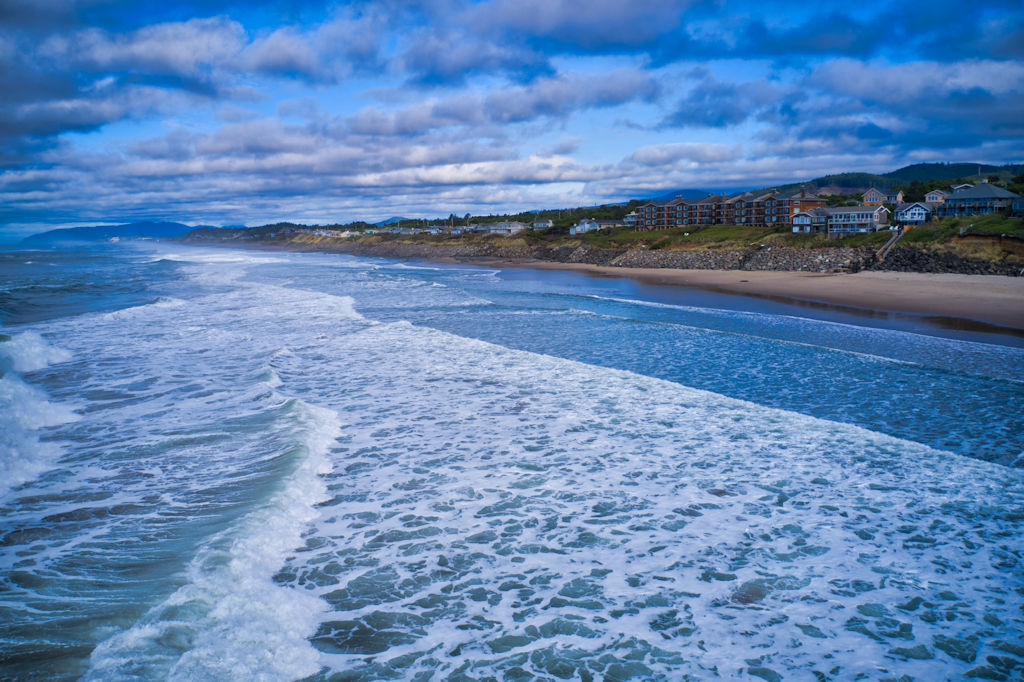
(988, 299)
(995, 301)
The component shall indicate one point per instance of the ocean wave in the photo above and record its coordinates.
(231, 620)
(25, 410)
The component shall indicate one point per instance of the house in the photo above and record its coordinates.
(630, 219)
(506, 228)
(842, 219)
(936, 196)
(914, 213)
(857, 218)
(811, 220)
(1017, 208)
(543, 224)
(874, 197)
(960, 188)
(802, 201)
(589, 224)
(658, 215)
(978, 200)
(894, 197)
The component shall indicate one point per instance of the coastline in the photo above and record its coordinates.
(988, 300)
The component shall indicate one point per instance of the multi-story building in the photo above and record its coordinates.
(978, 200)
(767, 208)
(842, 219)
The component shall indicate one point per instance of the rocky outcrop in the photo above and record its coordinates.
(914, 259)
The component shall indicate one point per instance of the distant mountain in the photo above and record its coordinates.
(96, 233)
(392, 221)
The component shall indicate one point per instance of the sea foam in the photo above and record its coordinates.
(231, 620)
(25, 410)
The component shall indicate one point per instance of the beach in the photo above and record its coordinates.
(991, 299)
(996, 300)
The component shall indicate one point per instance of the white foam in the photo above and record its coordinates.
(161, 302)
(538, 471)
(25, 410)
(28, 352)
(239, 623)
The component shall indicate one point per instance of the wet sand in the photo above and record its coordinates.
(985, 298)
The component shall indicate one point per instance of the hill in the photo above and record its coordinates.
(918, 172)
(94, 233)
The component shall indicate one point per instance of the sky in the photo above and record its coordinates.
(210, 112)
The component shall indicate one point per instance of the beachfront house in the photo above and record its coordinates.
(914, 213)
(811, 220)
(842, 219)
(874, 197)
(894, 197)
(936, 196)
(543, 224)
(506, 228)
(960, 188)
(978, 200)
(857, 218)
(589, 224)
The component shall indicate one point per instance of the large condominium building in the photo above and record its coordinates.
(744, 208)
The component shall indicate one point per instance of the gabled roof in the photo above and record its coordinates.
(906, 206)
(874, 189)
(985, 190)
(940, 191)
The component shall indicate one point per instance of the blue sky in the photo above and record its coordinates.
(237, 112)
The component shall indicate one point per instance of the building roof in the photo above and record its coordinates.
(833, 210)
(985, 190)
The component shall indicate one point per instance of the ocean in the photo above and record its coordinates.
(221, 464)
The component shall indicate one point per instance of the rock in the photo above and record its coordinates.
(957, 648)
(750, 593)
(919, 652)
(765, 673)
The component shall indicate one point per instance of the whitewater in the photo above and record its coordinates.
(234, 465)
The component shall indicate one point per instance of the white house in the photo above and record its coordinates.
(913, 214)
(840, 219)
(507, 228)
(589, 224)
(543, 224)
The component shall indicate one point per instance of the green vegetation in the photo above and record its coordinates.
(944, 230)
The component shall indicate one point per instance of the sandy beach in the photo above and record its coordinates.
(991, 299)
(987, 299)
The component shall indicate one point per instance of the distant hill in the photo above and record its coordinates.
(96, 233)
(392, 221)
(947, 171)
(920, 172)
